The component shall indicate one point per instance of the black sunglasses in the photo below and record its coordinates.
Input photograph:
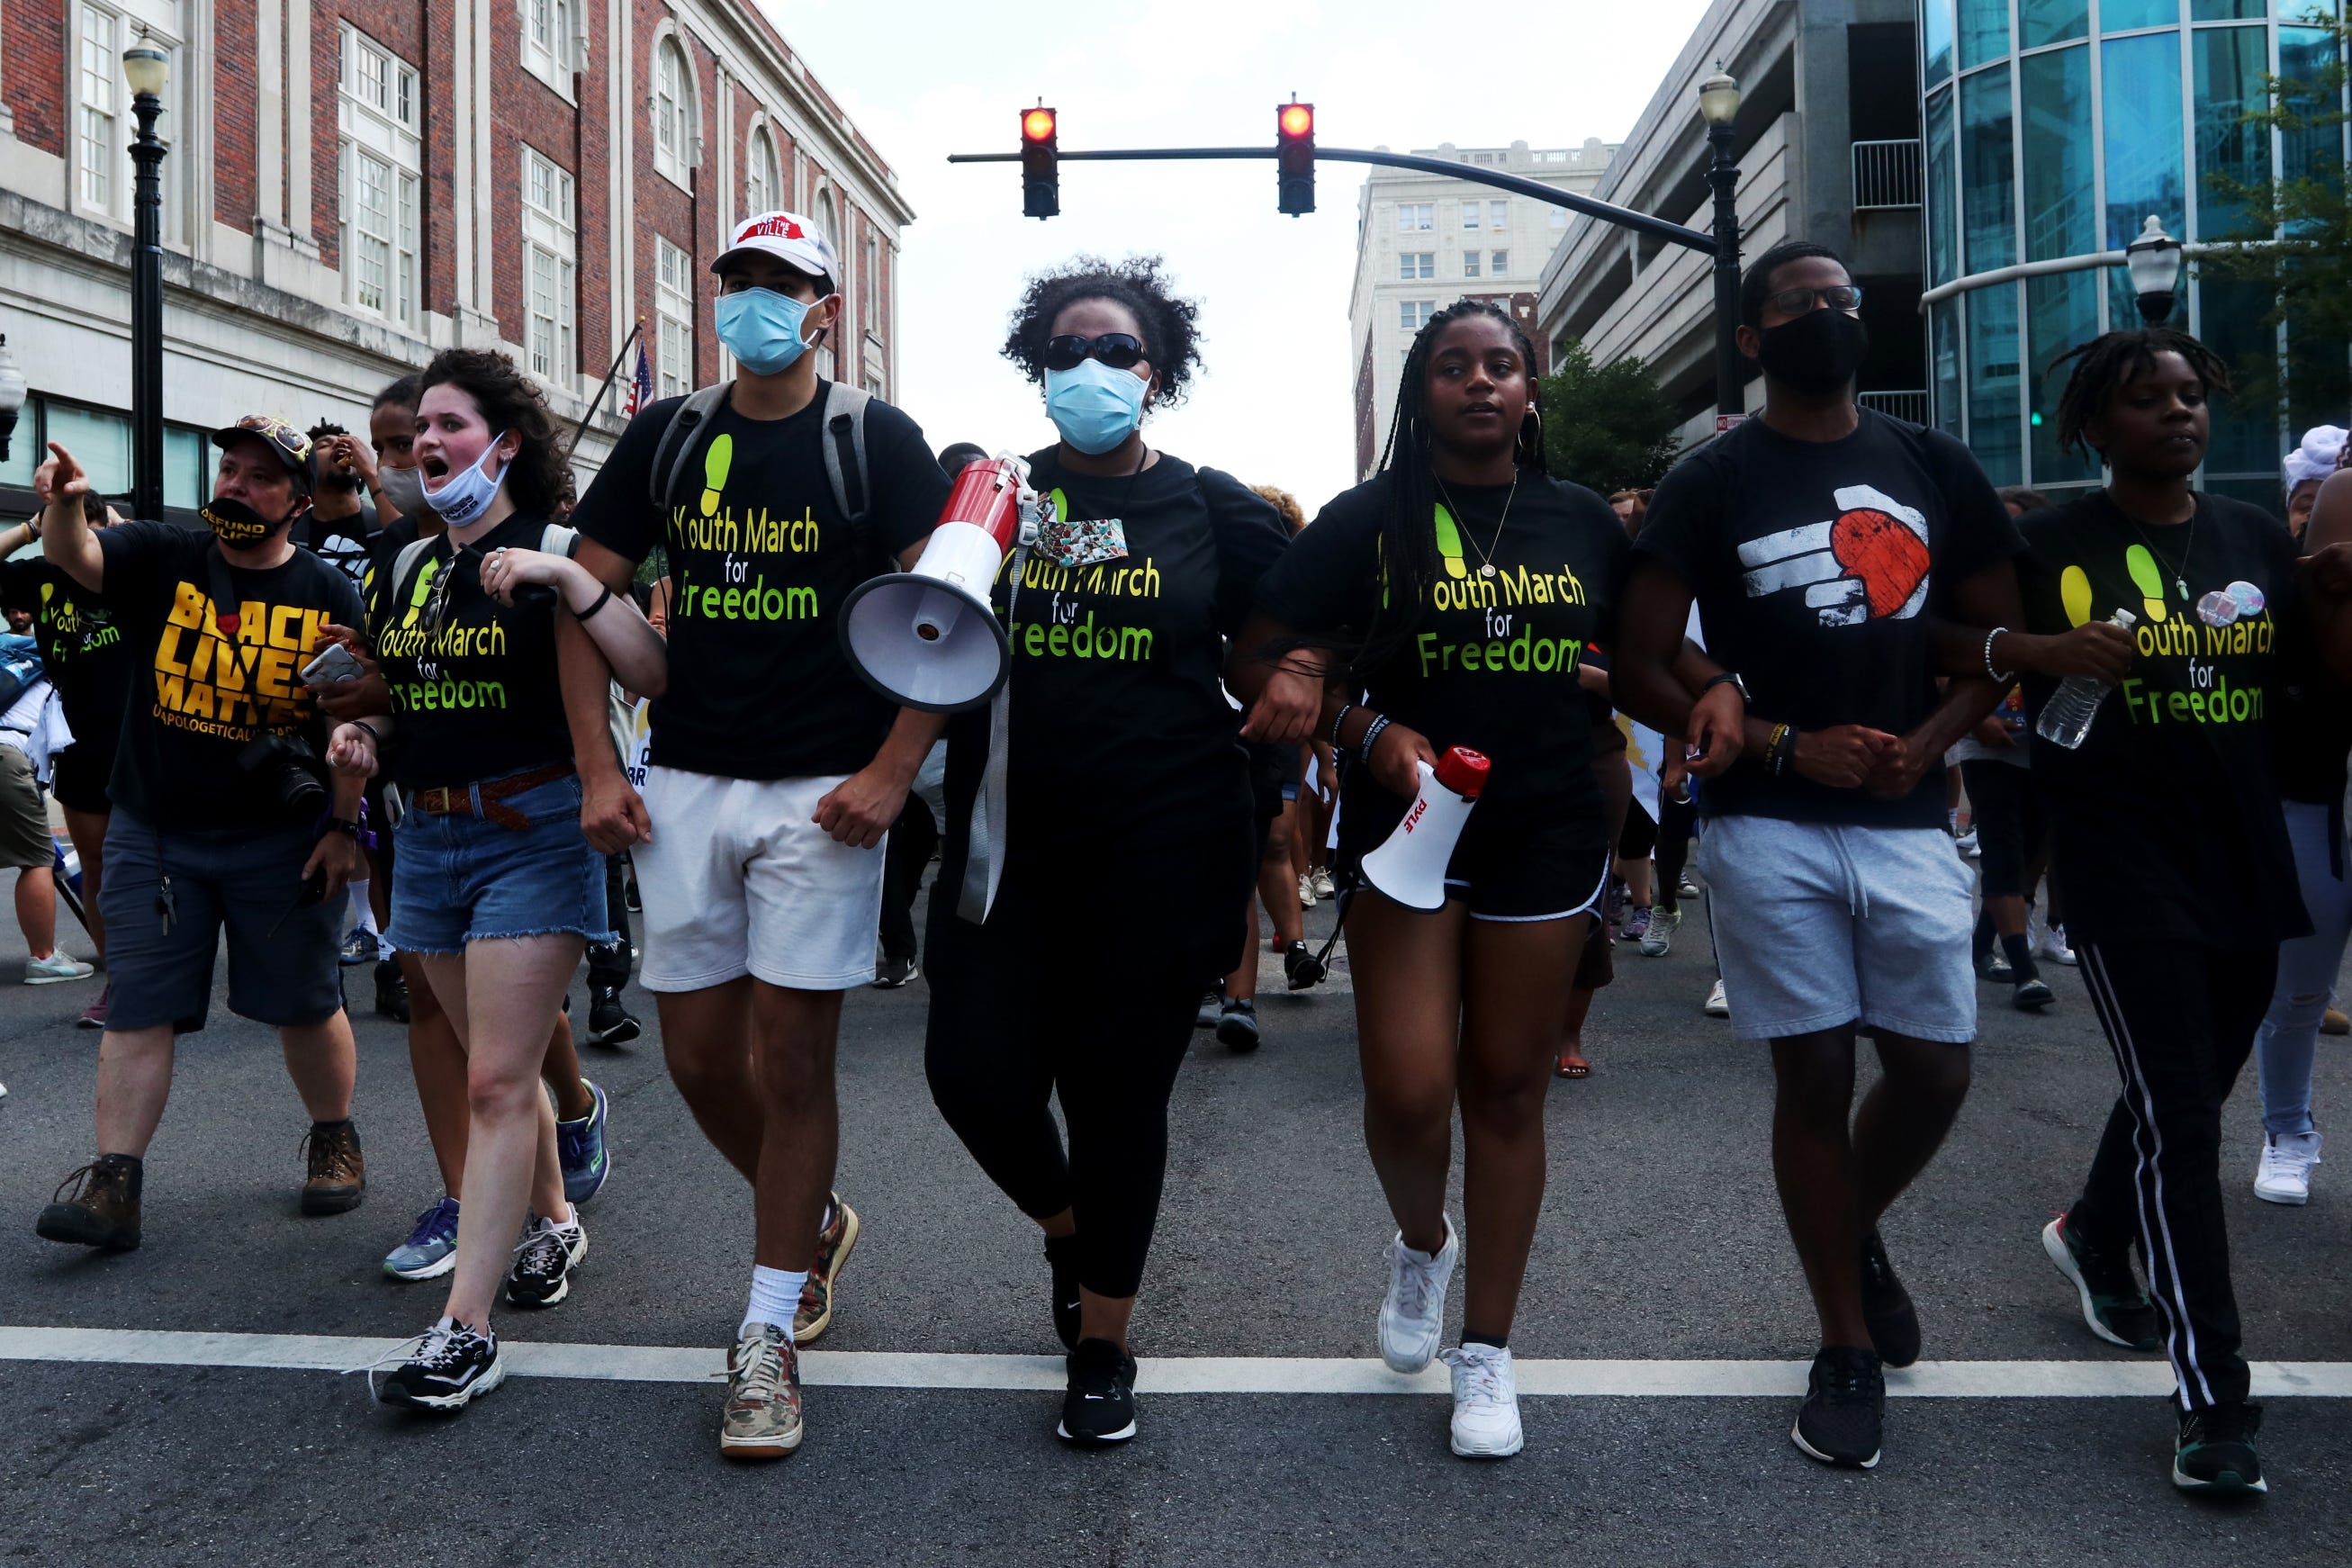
(1117, 349)
(1797, 301)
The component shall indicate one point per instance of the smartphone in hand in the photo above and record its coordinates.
(335, 663)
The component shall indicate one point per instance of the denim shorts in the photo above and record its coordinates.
(456, 879)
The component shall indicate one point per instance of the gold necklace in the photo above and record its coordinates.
(1486, 556)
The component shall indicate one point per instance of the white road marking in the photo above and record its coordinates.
(2115, 1379)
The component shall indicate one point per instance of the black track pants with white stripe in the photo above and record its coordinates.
(2181, 1020)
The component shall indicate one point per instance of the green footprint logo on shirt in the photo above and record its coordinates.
(1449, 544)
(715, 464)
(2141, 564)
(420, 591)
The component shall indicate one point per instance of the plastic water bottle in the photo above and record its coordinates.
(2066, 717)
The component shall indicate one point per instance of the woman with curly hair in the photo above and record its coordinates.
(1120, 768)
(495, 888)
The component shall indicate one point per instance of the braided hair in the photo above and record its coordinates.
(2104, 365)
(1408, 542)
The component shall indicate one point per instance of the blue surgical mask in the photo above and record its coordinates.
(1094, 406)
(466, 495)
(762, 329)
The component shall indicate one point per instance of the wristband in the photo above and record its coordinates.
(339, 825)
(1339, 718)
(1784, 748)
(2003, 679)
(1725, 677)
(602, 599)
(373, 733)
(1371, 732)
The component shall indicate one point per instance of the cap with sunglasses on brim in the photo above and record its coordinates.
(795, 240)
(289, 445)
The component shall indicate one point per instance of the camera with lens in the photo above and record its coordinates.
(289, 776)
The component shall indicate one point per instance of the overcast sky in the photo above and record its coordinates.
(926, 77)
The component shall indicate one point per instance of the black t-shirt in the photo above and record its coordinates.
(81, 648)
(2168, 815)
(1816, 566)
(482, 699)
(178, 767)
(1117, 720)
(761, 559)
(347, 543)
(1490, 663)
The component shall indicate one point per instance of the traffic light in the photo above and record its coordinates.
(1294, 142)
(1040, 179)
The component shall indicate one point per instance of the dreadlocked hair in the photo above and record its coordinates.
(2106, 363)
(1408, 540)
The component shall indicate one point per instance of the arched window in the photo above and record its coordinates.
(828, 222)
(673, 111)
(763, 181)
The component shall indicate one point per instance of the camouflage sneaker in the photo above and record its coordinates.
(336, 1179)
(762, 1420)
(104, 1209)
(832, 1244)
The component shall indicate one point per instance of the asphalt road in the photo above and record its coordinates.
(1661, 1242)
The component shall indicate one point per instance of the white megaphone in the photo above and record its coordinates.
(1410, 867)
(928, 638)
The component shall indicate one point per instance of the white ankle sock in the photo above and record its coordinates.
(775, 1297)
(361, 910)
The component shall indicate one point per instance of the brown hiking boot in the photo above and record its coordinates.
(337, 1177)
(814, 1314)
(103, 1211)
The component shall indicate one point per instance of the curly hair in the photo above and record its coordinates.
(1171, 332)
(400, 394)
(1294, 516)
(2104, 365)
(541, 474)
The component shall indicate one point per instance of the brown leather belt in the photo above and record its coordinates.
(457, 800)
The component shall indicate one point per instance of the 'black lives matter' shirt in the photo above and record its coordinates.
(480, 699)
(1816, 566)
(761, 559)
(198, 701)
(1490, 663)
(81, 648)
(2168, 815)
(1117, 720)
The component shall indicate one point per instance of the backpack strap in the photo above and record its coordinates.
(844, 450)
(676, 447)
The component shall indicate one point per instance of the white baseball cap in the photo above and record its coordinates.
(790, 239)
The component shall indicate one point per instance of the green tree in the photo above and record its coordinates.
(2294, 243)
(1606, 426)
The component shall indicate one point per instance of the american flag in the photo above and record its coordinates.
(641, 385)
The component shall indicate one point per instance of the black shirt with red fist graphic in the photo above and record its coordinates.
(1816, 566)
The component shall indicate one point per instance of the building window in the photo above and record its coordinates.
(380, 158)
(1416, 217)
(2041, 22)
(1414, 265)
(1469, 264)
(1470, 211)
(674, 305)
(2061, 214)
(2141, 101)
(1499, 215)
(1988, 178)
(673, 111)
(102, 144)
(1943, 191)
(2230, 63)
(1994, 384)
(869, 293)
(763, 182)
(549, 248)
(1499, 264)
(1413, 314)
(549, 47)
(1984, 31)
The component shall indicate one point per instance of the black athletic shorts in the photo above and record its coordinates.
(1528, 862)
(78, 778)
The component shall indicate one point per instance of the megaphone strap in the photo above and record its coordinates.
(983, 866)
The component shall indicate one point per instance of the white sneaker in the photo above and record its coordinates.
(1716, 1006)
(2284, 1175)
(1322, 878)
(58, 965)
(2050, 942)
(1305, 891)
(1412, 1314)
(1967, 845)
(1485, 1404)
(1659, 940)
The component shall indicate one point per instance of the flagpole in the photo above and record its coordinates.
(606, 385)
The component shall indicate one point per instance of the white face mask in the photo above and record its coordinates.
(465, 496)
(404, 489)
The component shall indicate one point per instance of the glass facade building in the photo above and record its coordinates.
(2054, 129)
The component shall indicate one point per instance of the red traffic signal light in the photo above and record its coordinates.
(1293, 145)
(1040, 179)
(1296, 120)
(1037, 125)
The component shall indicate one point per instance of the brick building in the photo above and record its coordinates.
(354, 183)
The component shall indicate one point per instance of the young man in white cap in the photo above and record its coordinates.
(775, 774)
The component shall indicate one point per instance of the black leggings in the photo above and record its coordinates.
(912, 840)
(2012, 822)
(2181, 1020)
(1014, 1023)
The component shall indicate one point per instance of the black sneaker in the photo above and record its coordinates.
(1212, 1008)
(892, 972)
(391, 991)
(1844, 1407)
(446, 1368)
(2216, 1450)
(1062, 1258)
(543, 1261)
(1100, 1407)
(610, 1022)
(2114, 1305)
(1993, 967)
(1887, 1306)
(1237, 1025)
(2033, 996)
(104, 1209)
(1300, 967)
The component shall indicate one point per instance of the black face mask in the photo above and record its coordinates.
(238, 524)
(1817, 353)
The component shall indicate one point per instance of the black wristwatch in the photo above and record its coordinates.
(338, 825)
(1726, 677)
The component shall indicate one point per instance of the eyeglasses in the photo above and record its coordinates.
(437, 607)
(1797, 301)
(270, 428)
(1117, 349)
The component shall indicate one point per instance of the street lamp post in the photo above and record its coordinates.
(149, 71)
(1719, 105)
(2154, 262)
